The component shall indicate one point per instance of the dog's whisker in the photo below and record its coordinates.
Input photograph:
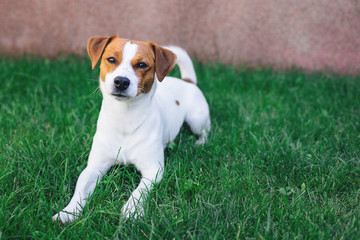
(97, 91)
(142, 89)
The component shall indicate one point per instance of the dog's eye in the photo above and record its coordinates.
(142, 65)
(111, 60)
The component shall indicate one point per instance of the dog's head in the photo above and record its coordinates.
(129, 68)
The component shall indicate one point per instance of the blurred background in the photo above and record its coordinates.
(317, 35)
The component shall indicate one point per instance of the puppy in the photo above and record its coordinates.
(142, 111)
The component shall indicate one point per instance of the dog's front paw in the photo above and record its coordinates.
(64, 217)
(131, 210)
(201, 141)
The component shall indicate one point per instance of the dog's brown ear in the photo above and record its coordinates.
(96, 46)
(165, 61)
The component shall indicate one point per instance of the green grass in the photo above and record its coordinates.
(282, 161)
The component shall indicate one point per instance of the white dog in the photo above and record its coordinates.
(142, 111)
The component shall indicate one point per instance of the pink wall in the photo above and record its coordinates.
(311, 34)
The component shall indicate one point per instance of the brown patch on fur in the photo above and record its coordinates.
(146, 75)
(165, 61)
(187, 80)
(158, 59)
(96, 46)
(115, 50)
(177, 102)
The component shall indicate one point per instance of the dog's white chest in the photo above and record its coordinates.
(127, 137)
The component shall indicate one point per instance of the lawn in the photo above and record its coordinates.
(282, 161)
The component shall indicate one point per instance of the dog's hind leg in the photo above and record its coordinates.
(204, 133)
(199, 121)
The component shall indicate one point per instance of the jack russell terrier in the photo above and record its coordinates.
(142, 111)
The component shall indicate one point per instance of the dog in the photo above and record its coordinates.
(142, 111)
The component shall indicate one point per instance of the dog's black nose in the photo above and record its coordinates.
(121, 83)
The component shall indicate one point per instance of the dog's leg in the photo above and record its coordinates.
(84, 188)
(199, 122)
(134, 206)
(203, 133)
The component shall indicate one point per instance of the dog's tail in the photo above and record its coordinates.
(185, 64)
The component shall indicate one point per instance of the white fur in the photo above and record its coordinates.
(136, 131)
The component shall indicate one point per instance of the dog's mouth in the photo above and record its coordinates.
(119, 96)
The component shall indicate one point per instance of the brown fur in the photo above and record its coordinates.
(187, 80)
(114, 49)
(165, 61)
(96, 46)
(147, 75)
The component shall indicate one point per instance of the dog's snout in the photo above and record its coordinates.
(121, 83)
